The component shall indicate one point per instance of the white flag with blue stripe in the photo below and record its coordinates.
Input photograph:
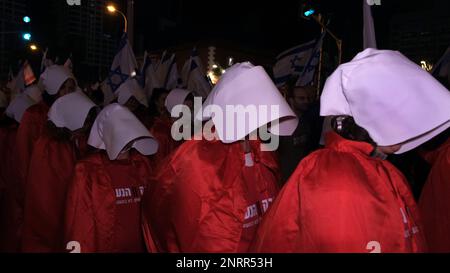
(309, 70)
(173, 79)
(194, 76)
(292, 62)
(163, 69)
(124, 65)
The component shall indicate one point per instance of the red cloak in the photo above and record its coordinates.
(339, 199)
(434, 201)
(204, 198)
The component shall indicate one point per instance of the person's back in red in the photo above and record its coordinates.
(57, 81)
(11, 215)
(434, 200)
(351, 203)
(103, 204)
(103, 212)
(51, 169)
(8, 205)
(347, 197)
(214, 191)
(213, 196)
(161, 130)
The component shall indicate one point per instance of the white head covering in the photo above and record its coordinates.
(70, 111)
(54, 77)
(389, 96)
(18, 106)
(115, 127)
(34, 92)
(247, 85)
(131, 88)
(176, 97)
(3, 100)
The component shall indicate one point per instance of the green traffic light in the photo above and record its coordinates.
(26, 36)
(26, 19)
(309, 12)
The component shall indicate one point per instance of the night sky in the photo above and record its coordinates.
(265, 27)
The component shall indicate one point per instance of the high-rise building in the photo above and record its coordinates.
(11, 15)
(422, 34)
(89, 33)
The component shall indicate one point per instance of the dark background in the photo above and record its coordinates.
(261, 27)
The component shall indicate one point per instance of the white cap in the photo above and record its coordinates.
(3, 100)
(131, 88)
(176, 97)
(249, 86)
(115, 127)
(70, 111)
(389, 96)
(34, 92)
(54, 77)
(18, 106)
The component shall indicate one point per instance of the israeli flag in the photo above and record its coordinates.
(292, 62)
(309, 70)
(194, 76)
(163, 69)
(45, 62)
(173, 79)
(124, 65)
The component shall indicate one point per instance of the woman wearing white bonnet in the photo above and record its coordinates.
(103, 202)
(347, 197)
(57, 81)
(215, 191)
(51, 166)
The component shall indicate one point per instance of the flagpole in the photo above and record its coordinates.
(320, 61)
(338, 41)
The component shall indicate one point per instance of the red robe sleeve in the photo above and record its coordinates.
(30, 129)
(91, 204)
(434, 202)
(161, 130)
(10, 211)
(200, 188)
(341, 202)
(50, 172)
(89, 209)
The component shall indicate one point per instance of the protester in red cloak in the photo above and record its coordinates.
(51, 168)
(57, 81)
(103, 212)
(347, 197)
(209, 195)
(10, 211)
(434, 201)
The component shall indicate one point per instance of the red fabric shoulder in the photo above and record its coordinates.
(50, 171)
(341, 200)
(434, 202)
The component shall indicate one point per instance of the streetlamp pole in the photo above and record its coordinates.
(112, 9)
(338, 41)
(130, 16)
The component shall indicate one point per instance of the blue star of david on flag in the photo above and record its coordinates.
(116, 78)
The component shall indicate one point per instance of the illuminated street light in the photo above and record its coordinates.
(112, 9)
